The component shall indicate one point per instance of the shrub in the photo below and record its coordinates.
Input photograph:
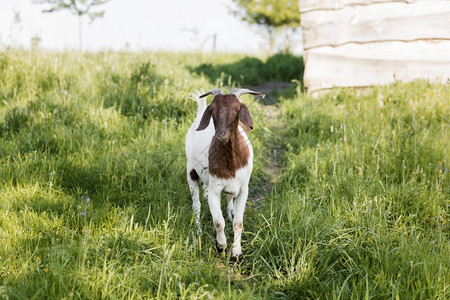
(252, 71)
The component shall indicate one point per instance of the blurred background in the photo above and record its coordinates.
(350, 188)
(138, 25)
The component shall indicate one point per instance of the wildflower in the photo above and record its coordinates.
(399, 274)
(40, 233)
(182, 283)
(446, 170)
(441, 220)
(38, 258)
(83, 213)
(88, 200)
(45, 270)
(369, 239)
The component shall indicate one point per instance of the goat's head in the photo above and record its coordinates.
(226, 111)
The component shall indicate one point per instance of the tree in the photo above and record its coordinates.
(77, 7)
(273, 15)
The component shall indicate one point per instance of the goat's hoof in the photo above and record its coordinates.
(236, 259)
(221, 250)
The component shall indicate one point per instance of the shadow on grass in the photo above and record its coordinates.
(250, 71)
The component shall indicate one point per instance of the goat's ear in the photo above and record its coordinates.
(206, 118)
(245, 117)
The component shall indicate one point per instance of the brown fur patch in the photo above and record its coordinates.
(226, 159)
(193, 174)
(238, 226)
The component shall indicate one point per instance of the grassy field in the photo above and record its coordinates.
(349, 197)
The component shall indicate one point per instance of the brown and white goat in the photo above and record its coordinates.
(220, 154)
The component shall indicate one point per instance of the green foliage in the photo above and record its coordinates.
(275, 16)
(252, 71)
(76, 7)
(285, 67)
(272, 14)
(94, 203)
(364, 195)
(131, 94)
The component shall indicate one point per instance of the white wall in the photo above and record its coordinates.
(357, 43)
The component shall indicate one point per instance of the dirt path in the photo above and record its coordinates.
(273, 166)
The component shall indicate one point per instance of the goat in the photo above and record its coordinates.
(221, 156)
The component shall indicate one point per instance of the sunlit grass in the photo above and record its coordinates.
(94, 203)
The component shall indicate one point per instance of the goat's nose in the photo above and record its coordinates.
(221, 134)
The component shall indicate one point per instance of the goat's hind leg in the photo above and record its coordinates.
(193, 181)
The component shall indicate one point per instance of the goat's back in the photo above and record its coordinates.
(197, 148)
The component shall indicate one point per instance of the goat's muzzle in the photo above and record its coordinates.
(223, 136)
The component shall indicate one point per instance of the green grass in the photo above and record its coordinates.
(360, 207)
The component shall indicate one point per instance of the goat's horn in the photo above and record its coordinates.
(212, 92)
(240, 92)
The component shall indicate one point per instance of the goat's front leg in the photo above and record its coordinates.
(238, 222)
(218, 220)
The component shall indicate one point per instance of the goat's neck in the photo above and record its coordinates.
(226, 159)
